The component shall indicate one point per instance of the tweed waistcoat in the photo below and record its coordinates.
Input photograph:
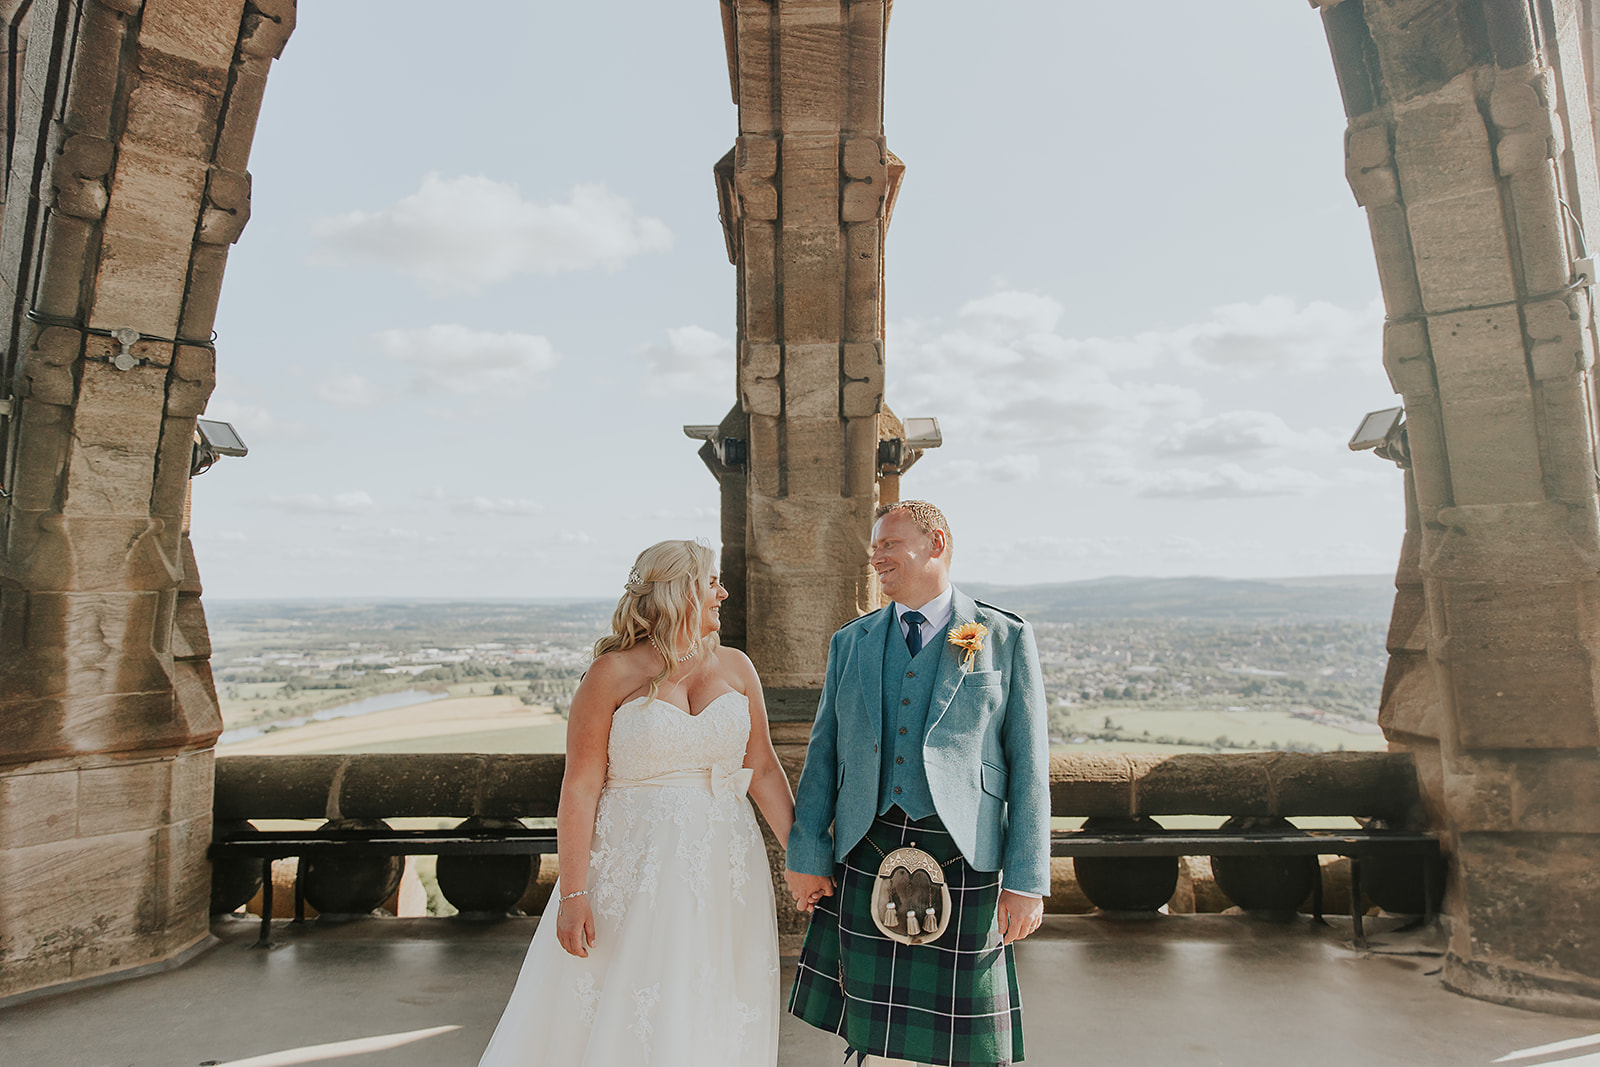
(907, 692)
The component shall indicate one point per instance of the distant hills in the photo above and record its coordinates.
(1352, 598)
(1348, 597)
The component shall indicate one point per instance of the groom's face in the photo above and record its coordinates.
(912, 565)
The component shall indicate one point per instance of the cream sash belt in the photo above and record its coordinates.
(719, 779)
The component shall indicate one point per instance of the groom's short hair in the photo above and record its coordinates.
(927, 517)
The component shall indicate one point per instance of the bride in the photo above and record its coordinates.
(662, 948)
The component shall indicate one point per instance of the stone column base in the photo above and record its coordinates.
(102, 865)
(1493, 982)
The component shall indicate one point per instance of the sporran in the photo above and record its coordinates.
(910, 897)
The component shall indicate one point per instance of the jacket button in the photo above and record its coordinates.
(897, 789)
(899, 759)
(874, 748)
(902, 729)
(911, 674)
(907, 700)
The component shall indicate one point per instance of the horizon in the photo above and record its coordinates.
(606, 598)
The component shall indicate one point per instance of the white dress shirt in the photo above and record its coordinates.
(936, 616)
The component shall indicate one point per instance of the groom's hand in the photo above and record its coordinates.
(808, 888)
(1018, 916)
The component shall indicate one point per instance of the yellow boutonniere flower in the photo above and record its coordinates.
(968, 636)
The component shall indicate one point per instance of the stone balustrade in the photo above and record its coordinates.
(1108, 789)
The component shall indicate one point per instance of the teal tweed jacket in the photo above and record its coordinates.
(986, 751)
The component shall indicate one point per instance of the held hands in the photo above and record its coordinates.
(575, 926)
(1018, 916)
(808, 888)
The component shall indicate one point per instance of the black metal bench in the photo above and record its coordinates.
(1356, 844)
(270, 845)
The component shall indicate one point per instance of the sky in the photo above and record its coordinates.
(483, 287)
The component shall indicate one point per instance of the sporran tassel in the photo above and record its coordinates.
(911, 924)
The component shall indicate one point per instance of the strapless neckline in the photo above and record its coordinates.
(646, 701)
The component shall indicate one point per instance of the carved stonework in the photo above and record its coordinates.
(133, 120)
(805, 197)
(1471, 146)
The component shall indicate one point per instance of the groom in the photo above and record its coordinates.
(917, 744)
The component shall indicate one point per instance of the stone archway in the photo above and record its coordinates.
(128, 128)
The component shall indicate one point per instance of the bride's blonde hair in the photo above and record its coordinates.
(663, 599)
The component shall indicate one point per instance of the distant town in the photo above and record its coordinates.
(1215, 677)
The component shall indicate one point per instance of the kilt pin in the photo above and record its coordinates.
(963, 746)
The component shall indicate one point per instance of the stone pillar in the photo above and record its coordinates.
(1471, 146)
(127, 183)
(806, 195)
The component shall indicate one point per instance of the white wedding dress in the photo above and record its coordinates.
(684, 968)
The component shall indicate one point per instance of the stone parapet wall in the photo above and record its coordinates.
(378, 786)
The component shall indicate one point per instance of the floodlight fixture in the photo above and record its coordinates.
(1375, 428)
(1385, 433)
(923, 433)
(897, 454)
(212, 440)
(718, 451)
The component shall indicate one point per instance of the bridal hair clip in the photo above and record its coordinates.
(636, 584)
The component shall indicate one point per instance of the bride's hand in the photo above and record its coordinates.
(575, 926)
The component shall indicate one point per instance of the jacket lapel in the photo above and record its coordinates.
(948, 680)
(869, 670)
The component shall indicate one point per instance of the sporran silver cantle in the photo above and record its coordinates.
(910, 899)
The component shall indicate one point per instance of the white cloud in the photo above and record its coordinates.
(1016, 468)
(1002, 372)
(1010, 310)
(694, 360)
(396, 533)
(1236, 432)
(1276, 334)
(1228, 481)
(504, 505)
(251, 420)
(458, 235)
(1107, 410)
(355, 502)
(667, 514)
(318, 552)
(454, 359)
(1061, 548)
(348, 391)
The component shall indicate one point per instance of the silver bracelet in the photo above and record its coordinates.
(569, 896)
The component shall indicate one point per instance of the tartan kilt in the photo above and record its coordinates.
(952, 1002)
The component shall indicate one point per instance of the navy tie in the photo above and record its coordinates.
(913, 621)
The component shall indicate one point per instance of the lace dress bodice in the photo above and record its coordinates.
(651, 737)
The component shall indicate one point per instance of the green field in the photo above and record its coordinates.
(1134, 726)
(552, 738)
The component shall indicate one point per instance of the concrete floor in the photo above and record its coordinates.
(1180, 990)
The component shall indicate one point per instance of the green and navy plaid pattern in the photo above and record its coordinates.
(952, 1002)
